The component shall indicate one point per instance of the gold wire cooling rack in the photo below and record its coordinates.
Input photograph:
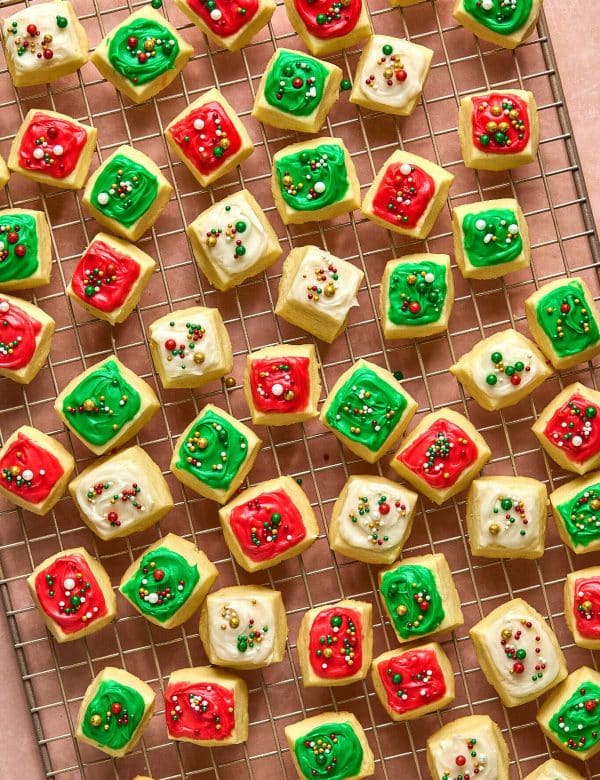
(552, 194)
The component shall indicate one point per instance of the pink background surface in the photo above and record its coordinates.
(574, 38)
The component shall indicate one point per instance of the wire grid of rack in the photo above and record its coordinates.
(552, 194)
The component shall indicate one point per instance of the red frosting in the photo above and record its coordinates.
(510, 116)
(440, 454)
(206, 148)
(281, 385)
(234, 14)
(28, 470)
(104, 277)
(267, 525)
(586, 607)
(403, 196)
(61, 141)
(335, 643)
(412, 679)
(329, 18)
(71, 608)
(203, 710)
(575, 428)
(18, 336)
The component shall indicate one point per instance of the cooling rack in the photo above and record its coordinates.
(552, 194)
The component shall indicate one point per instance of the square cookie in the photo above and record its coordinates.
(568, 429)
(43, 42)
(296, 91)
(325, 29)
(127, 193)
(110, 278)
(102, 721)
(582, 606)
(468, 746)
(502, 24)
(142, 55)
(491, 238)
(244, 627)
(209, 138)
(407, 194)
(573, 704)
(233, 240)
(25, 249)
(506, 517)
(282, 385)
(334, 737)
(268, 523)
(34, 470)
(565, 322)
(106, 405)
(576, 510)
(372, 519)
(317, 291)
(169, 581)
(214, 454)
(498, 130)
(442, 455)
(314, 180)
(501, 370)
(230, 26)
(414, 682)
(554, 770)
(390, 75)
(25, 339)
(121, 494)
(53, 149)
(190, 347)
(335, 644)
(416, 296)
(206, 707)
(73, 594)
(367, 410)
(518, 653)
(420, 597)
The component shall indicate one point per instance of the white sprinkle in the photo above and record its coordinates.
(319, 187)
(38, 153)
(429, 278)
(487, 5)
(577, 441)
(405, 169)
(215, 15)
(277, 389)
(103, 198)
(513, 229)
(4, 306)
(69, 583)
(58, 150)
(28, 474)
(152, 598)
(480, 224)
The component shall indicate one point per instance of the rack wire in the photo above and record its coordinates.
(552, 194)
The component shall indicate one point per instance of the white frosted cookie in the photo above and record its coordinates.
(554, 770)
(390, 75)
(471, 746)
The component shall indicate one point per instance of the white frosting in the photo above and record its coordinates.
(64, 43)
(343, 288)
(358, 529)
(513, 350)
(379, 65)
(253, 238)
(119, 476)
(523, 638)
(504, 533)
(229, 619)
(446, 752)
(178, 365)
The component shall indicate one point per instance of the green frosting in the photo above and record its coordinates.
(492, 237)
(122, 176)
(101, 404)
(313, 178)
(581, 516)
(417, 292)
(162, 584)
(153, 53)
(577, 722)
(501, 16)
(118, 707)
(18, 247)
(413, 600)
(366, 409)
(295, 83)
(214, 451)
(331, 750)
(564, 316)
